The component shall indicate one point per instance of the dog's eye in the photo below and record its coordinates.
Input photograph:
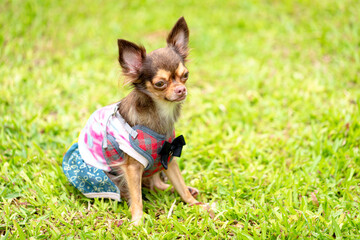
(186, 76)
(160, 84)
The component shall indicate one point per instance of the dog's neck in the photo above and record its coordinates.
(138, 108)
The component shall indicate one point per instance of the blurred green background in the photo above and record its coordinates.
(271, 122)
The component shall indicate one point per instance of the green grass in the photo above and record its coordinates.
(272, 120)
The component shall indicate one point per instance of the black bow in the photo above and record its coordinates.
(171, 149)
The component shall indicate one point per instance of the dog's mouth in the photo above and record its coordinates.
(179, 99)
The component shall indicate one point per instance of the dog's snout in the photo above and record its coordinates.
(180, 90)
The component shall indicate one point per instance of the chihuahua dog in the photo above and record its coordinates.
(159, 90)
(147, 117)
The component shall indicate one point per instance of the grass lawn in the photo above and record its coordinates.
(272, 120)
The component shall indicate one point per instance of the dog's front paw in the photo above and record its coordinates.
(137, 221)
(194, 192)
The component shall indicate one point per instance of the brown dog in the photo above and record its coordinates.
(132, 141)
(159, 90)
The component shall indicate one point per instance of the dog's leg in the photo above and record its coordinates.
(175, 177)
(158, 183)
(155, 183)
(133, 171)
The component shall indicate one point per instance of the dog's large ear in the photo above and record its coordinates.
(179, 38)
(131, 59)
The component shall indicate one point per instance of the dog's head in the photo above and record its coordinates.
(160, 74)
